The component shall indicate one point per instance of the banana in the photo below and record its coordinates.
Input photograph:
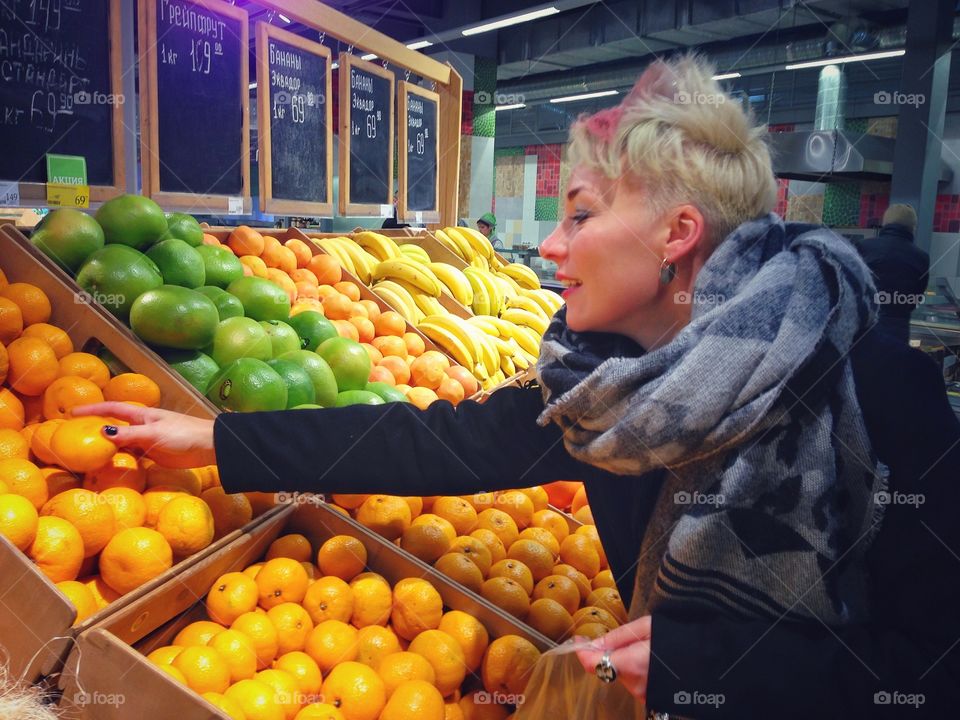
(410, 271)
(363, 261)
(415, 252)
(495, 263)
(533, 340)
(481, 298)
(428, 304)
(479, 242)
(522, 302)
(534, 321)
(524, 276)
(508, 290)
(380, 246)
(394, 290)
(449, 342)
(398, 304)
(509, 280)
(332, 248)
(455, 280)
(488, 351)
(493, 290)
(507, 366)
(460, 329)
(479, 321)
(536, 296)
(480, 262)
(459, 243)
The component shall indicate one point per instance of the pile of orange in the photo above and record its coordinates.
(97, 522)
(305, 635)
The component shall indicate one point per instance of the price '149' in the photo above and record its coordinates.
(200, 56)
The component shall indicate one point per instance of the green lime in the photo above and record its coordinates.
(358, 397)
(386, 391)
(68, 237)
(240, 337)
(227, 305)
(185, 227)
(174, 317)
(248, 385)
(116, 275)
(324, 382)
(299, 385)
(262, 299)
(179, 263)
(193, 366)
(313, 328)
(222, 266)
(132, 220)
(283, 337)
(349, 361)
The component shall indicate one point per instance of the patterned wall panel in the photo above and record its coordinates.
(805, 208)
(484, 87)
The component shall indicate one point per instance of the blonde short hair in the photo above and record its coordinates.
(684, 141)
(901, 214)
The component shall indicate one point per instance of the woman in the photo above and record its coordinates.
(715, 382)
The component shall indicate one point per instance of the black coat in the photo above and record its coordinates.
(899, 267)
(905, 662)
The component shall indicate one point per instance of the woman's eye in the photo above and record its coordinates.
(579, 217)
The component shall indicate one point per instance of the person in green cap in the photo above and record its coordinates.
(487, 224)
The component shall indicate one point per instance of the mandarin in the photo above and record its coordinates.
(84, 365)
(57, 549)
(33, 366)
(32, 301)
(342, 556)
(89, 513)
(52, 335)
(134, 556)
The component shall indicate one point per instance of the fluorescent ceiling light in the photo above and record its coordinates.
(847, 59)
(727, 76)
(584, 96)
(419, 45)
(506, 22)
(515, 106)
(252, 86)
(368, 56)
(284, 18)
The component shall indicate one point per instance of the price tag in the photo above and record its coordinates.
(419, 217)
(9, 194)
(386, 211)
(62, 195)
(235, 205)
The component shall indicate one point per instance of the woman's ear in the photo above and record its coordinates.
(687, 232)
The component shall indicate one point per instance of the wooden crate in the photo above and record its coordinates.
(109, 660)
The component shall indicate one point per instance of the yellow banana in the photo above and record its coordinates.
(394, 290)
(506, 364)
(415, 252)
(523, 275)
(481, 297)
(507, 289)
(521, 302)
(380, 246)
(482, 322)
(516, 332)
(334, 249)
(449, 343)
(479, 242)
(509, 280)
(526, 318)
(495, 263)
(536, 296)
(480, 262)
(493, 290)
(460, 329)
(532, 338)
(462, 245)
(409, 271)
(362, 267)
(428, 304)
(488, 351)
(455, 280)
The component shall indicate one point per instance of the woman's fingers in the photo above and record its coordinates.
(120, 410)
(627, 634)
(138, 436)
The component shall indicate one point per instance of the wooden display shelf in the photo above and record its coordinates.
(109, 661)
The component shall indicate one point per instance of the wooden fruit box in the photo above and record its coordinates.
(107, 676)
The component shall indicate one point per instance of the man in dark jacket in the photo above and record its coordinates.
(899, 267)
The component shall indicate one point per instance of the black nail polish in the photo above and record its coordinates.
(110, 430)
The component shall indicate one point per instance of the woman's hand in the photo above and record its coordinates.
(629, 648)
(169, 438)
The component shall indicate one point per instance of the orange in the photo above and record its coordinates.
(550, 618)
(345, 287)
(300, 250)
(465, 378)
(450, 390)
(593, 614)
(79, 444)
(428, 539)
(231, 595)
(372, 600)
(500, 523)
(552, 521)
(33, 365)
(397, 367)
(230, 511)
(365, 331)
(306, 291)
(580, 552)
(165, 655)
(102, 593)
(579, 579)
(608, 599)
(186, 479)
(346, 329)
(13, 445)
(518, 506)
(516, 571)
(458, 512)
(590, 531)
(312, 572)
(24, 478)
(129, 508)
(475, 550)
(416, 505)
(373, 310)
(90, 514)
(544, 537)
(534, 555)
(155, 499)
(445, 656)
(387, 515)
(11, 409)
(414, 699)
(579, 499)
(84, 365)
(204, 669)
(477, 706)
(356, 690)
(342, 556)
(375, 356)
(32, 408)
(174, 673)
(293, 624)
(326, 268)
(187, 524)
(452, 710)
(401, 667)
(251, 572)
(245, 240)
(319, 711)
(539, 497)
(32, 301)
(304, 276)
(11, 321)
(337, 307)
(391, 346)
(58, 479)
(460, 568)
(591, 630)
(350, 502)
(329, 598)
(132, 387)
(417, 606)
(374, 643)
(261, 632)
(584, 515)
(53, 336)
(561, 492)
(280, 257)
(604, 578)
(415, 344)
(286, 690)
(508, 664)
(480, 501)
(331, 643)
(134, 556)
(293, 546)
(469, 633)
(561, 589)
(258, 268)
(507, 595)
(492, 542)
(123, 470)
(390, 322)
(427, 371)
(228, 707)
(57, 549)
(255, 700)
(18, 520)
(281, 580)
(304, 670)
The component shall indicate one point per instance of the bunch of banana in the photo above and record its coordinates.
(455, 281)
(380, 246)
(410, 271)
(476, 350)
(415, 252)
(488, 294)
(521, 275)
(517, 346)
(351, 256)
(401, 298)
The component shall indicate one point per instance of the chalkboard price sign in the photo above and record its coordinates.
(366, 137)
(196, 109)
(419, 112)
(294, 120)
(60, 91)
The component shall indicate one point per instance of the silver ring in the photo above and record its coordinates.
(605, 670)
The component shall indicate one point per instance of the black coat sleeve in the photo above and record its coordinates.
(394, 448)
(905, 662)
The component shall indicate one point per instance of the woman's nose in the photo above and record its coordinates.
(553, 247)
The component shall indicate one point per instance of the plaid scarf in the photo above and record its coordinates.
(750, 420)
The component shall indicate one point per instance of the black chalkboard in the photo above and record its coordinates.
(56, 94)
(421, 137)
(370, 101)
(200, 54)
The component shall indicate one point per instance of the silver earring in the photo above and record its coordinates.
(668, 271)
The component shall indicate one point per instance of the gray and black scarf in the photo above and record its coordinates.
(769, 500)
